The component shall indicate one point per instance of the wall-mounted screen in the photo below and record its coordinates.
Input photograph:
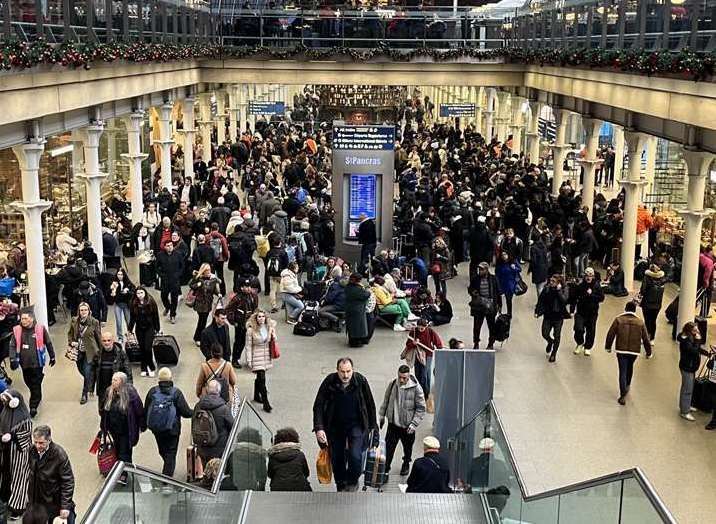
(362, 196)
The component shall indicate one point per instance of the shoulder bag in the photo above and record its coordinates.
(274, 350)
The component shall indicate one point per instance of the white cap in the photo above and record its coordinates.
(431, 443)
(486, 444)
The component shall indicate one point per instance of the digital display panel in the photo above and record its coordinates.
(362, 196)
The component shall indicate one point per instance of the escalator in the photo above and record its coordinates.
(484, 475)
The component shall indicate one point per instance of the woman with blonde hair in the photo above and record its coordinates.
(205, 286)
(122, 416)
(85, 338)
(260, 332)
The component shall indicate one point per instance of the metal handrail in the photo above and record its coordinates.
(635, 473)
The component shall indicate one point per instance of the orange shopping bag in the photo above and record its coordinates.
(323, 466)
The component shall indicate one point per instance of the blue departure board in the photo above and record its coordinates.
(362, 196)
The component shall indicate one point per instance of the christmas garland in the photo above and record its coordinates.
(16, 54)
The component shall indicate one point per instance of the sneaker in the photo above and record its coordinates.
(552, 357)
(548, 350)
(143, 373)
(710, 426)
(198, 343)
(688, 416)
(291, 321)
(692, 409)
(413, 317)
(578, 349)
(83, 398)
(151, 373)
(398, 327)
(166, 312)
(587, 352)
(173, 320)
(236, 364)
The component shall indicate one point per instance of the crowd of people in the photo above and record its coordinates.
(257, 218)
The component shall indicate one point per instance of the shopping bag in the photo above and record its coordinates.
(107, 455)
(273, 348)
(323, 466)
(94, 447)
(430, 404)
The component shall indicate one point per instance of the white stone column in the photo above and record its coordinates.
(189, 132)
(93, 183)
(206, 125)
(590, 162)
(618, 151)
(517, 124)
(252, 96)
(649, 172)
(243, 107)
(533, 131)
(697, 163)
(234, 116)
(165, 143)
(559, 149)
(32, 207)
(135, 158)
(632, 187)
(220, 116)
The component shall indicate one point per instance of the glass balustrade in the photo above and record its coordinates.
(482, 464)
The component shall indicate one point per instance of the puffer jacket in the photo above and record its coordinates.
(258, 354)
(279, 221)
(630, 332)
(404, 406)
(288, 468)
(289, 282)
(652, 289)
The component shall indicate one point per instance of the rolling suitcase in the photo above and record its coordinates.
(502, 327)
(194, 467)
(131, 347)
(166, 350)
(374, 474)
(148, 273)
(129, 248)
(703, 324)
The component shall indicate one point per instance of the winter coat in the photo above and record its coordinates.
(205, 288)
(203, 254)
(325, 403)
(481, 246)
(494, 293)
(248, 461)
(367, 233)
(652, 289)
(51, 481)
(182, 408)
(27, 357)
(289, 283)
(224, 245)
(120, 363)
(210, 335)
(170, 269)
(266, 209)
(336, 294)
(136, 422)
(629, 332)
(356, 300)
(588, 303)
(429, 474)
(279, 221)
(221, 412)
(288, 468)
(94, 299)
(258, 354)
(539, 263)
(552, 303)
(403, 406)
(205, 376)
(507, 276)
(92, 338)
(690, 354)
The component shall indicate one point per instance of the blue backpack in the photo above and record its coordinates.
(162, 412)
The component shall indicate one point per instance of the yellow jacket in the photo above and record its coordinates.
(382, 296)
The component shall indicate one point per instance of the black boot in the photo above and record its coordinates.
(267, 406)
(257, 393)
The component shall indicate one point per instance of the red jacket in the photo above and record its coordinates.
(224, 245)
(428, 338)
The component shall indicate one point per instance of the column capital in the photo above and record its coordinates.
(561, 116)
(588, 163)
(134, 121)
(591, 126)
(695, 214)
(697, 162)
(139, 156)
(186, 131)
(90, 135)
(632, 184)
(28, 155)
(92, 177)
(559, 148)
(162, 142)
(165, 111)
(635, 141)
(31, 208)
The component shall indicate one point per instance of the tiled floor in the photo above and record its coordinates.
(562, 420)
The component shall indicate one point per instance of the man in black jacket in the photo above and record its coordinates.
(368, 240)
(343, 414)
(431, 472)
(588, 295)
(552, 306)
(485, 302)
(238, 311)
(168, 440)
(216, 333)
(170, 266)
(51, 482)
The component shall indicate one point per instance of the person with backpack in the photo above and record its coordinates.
(652, 295)
(165, 406)
(260, 336)
(276, 262)
(241, 306)
(204, 286)
(220, 247)
(219, 369)
(203, 253)
(26, 352)
(211, 423)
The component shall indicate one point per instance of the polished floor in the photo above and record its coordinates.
(562, 419)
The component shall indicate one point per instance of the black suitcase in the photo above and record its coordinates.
(112, 263)
(148, 273)
(672, 311)
(502, 327)
(703, 324)
(129, 248)
(701, 397)
(313, 291)
(304, 329)
(166, 350)
(134, 352)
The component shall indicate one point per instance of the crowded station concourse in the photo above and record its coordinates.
(267, 257)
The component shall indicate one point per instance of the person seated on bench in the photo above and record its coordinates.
(334, 301)
(392, 284)
(379, 264)
(390, 305)
(421, 301)
(289, 291)
(332, 270)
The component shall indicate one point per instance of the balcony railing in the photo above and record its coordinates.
(616, 24)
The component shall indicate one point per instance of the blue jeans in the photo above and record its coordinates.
(347, 463)
(422, 373)
(121, 316)
(293, 305)
(86, 369)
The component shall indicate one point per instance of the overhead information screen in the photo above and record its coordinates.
(362, 196)
(448, 110)
(364, 137)
(266, 108)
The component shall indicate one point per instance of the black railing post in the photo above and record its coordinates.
(66, 19)
(621, 21)
(6, 19)
(590, 27)
(667, 24)
(108, 15)
(125, 20)
(153, 19)
(605, 23)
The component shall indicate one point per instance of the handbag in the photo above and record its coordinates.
(520, 287)
(106, 455)
(274, 351)
(190, 298)
(72, 353)
(324, 472)
(236, 404)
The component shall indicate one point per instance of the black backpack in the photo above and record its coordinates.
(273, 265)
(310, 316)
(304, 330)
(502, 327)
